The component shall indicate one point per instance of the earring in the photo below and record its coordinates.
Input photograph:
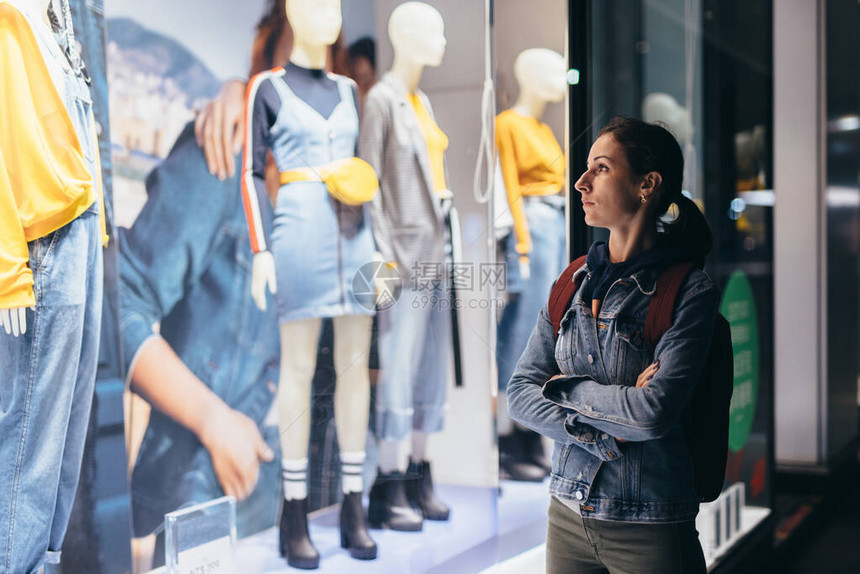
(643, 199)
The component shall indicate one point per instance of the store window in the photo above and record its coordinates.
(367, 371)
(704, 69)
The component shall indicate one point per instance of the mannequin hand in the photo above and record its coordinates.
(219, 128)
(14, 321)
(387, 280)
(262, 276)
(525, 268)
(236, 448)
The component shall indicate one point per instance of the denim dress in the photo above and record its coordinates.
(316, 257)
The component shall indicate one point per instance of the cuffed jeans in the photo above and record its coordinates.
(577, 545)
(526, 296)
(415, 361)
(46, 393)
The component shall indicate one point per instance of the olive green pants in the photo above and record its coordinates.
(583, 546)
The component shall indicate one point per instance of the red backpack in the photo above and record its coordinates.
(706, 418)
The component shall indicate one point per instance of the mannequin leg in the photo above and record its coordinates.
(430, 393)
(351, 413)
(402, 330)
(299, 341)
(419, 446)
(352, 394)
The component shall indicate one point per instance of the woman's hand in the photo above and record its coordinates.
(236, 448)
(646, 375)
(219, 128)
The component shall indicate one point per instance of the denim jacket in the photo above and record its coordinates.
(648, 477)
(186, 263)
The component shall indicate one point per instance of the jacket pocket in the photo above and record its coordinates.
(629, 355)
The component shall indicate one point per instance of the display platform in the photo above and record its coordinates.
(522, 508)
(487, 526)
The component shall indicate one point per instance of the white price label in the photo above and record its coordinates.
(214, 557)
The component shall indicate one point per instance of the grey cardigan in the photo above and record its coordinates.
(407, 216)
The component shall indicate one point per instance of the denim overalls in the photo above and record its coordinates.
(316, 260)
(49, 372)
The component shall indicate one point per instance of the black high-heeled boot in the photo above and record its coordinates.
(389, 507)
(512, 462)
(295, 543)
(419, 492)
(353, 528)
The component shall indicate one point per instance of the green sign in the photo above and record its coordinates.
(738, 307)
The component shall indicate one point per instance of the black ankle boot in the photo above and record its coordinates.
(389, 507)
(419, 492)
(353, 528)
(512, 463)
(295, 544)
(533, 451)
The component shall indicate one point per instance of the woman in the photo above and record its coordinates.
(622, 486)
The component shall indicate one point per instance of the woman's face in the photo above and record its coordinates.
(610, 192)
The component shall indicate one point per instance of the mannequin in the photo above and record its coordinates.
(14, 320)
(661, 107)
(309, 118)
(532, 166)
(51, 236)
(400, 139)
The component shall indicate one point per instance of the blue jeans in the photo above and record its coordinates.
(47, 390)
(526, 296)
(415, 361)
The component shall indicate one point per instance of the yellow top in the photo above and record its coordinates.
(44, 180)
(532, 163)
(437, 143)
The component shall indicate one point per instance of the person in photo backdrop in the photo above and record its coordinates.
(211, 371)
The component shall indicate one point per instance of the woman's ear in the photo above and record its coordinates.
(651, 182)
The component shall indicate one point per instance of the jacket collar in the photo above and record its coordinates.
(644, 279)
(419, 145)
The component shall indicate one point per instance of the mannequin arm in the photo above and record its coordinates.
(220, 128)
(262, 105)
(232, 439)
(510, 174)
(262, 276)
(373, 136)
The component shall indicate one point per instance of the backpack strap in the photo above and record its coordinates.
(562, 294)
(662, 304)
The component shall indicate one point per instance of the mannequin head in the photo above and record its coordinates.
(542, 73)
(314, 22)
(417, 34)
(661, 107)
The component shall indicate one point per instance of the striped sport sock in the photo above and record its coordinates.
(295, 476)
(352, 464)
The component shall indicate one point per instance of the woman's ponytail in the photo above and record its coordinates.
(689, 230)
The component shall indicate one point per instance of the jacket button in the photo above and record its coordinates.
(604, 436)
(590, 359)
(578, 494)
(587, 437)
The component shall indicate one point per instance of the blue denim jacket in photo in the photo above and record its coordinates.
(186, 263)
(648, 477)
